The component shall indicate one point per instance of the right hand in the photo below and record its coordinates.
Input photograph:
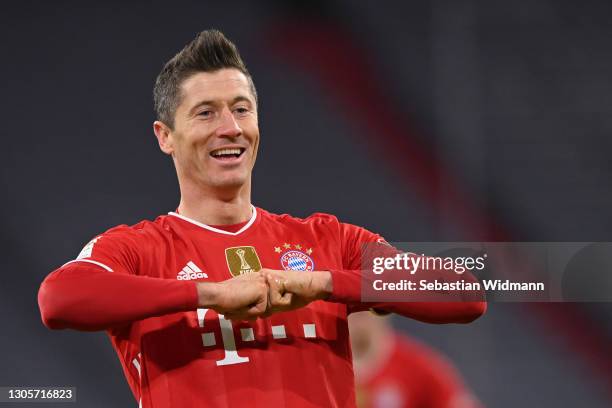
(244, 297)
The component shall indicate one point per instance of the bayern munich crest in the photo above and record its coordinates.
(294, 259)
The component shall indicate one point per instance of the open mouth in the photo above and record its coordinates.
(227, 153)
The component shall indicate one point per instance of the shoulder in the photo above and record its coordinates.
(315, 218)
(123, 241)
(141, 231)
(325, 223)
(318, 219)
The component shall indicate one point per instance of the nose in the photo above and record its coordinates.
(228, 126)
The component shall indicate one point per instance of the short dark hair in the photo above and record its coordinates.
(210, 51)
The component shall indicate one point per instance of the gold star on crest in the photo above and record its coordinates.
(277, 250)
(298, 246)
(286, 245)
(309, 251)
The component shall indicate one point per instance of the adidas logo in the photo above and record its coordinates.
(191, 271)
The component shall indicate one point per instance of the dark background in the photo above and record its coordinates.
(423, 121)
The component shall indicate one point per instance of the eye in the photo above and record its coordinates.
(241, 110)
(206, 113)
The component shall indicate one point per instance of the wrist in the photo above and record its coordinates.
(325, 284)
(207, 294)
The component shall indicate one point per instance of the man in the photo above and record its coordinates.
(191, 301)
(395, 371)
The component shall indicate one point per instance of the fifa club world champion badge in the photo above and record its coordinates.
(295, 259)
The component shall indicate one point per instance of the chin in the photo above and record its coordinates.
(230, 182)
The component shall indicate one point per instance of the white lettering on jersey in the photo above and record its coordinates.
(227, 337)
(229, 342)
(310, 331)
(191, 271)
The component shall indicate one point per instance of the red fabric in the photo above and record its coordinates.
(231, 227)
(173, 356)
(347, 289)
(347, 283)
(411, 375)
(86, 297)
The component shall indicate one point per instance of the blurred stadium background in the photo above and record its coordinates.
(423, 121)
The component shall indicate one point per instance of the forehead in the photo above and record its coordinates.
(221, 85)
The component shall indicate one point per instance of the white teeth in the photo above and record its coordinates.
(222, 152)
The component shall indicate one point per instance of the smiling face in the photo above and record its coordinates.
(216, 135)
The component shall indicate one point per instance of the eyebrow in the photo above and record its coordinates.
(239, 98)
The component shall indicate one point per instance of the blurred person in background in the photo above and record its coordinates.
(393, 370)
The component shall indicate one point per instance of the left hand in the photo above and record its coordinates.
(290, 290)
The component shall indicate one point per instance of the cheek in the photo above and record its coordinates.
(194, 145)
(255, 140)
(255, 150)
(190, 153)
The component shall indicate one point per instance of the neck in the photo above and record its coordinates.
(216, 206)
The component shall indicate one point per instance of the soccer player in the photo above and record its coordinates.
(395, 371)
(221, 303)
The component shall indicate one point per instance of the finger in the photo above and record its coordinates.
(258, 309)
(277, 294)
(287, 299)
(300, 285)
(281, 286)
(260, 305)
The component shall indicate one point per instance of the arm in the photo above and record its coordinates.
(84, 296)
(344, 285)
(104, 287)
(347, 289)
(429, 307)
(290, 290)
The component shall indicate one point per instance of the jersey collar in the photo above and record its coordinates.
(217, 230)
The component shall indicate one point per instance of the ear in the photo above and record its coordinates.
(164, 137)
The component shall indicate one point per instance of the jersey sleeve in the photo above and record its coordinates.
(119, 250)
(357, 244)
(105, 286)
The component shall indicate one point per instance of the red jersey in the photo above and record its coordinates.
(411, 375)
(138, 284)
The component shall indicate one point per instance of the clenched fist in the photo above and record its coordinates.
(259, 294)
(244, 297)
(290, 290)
